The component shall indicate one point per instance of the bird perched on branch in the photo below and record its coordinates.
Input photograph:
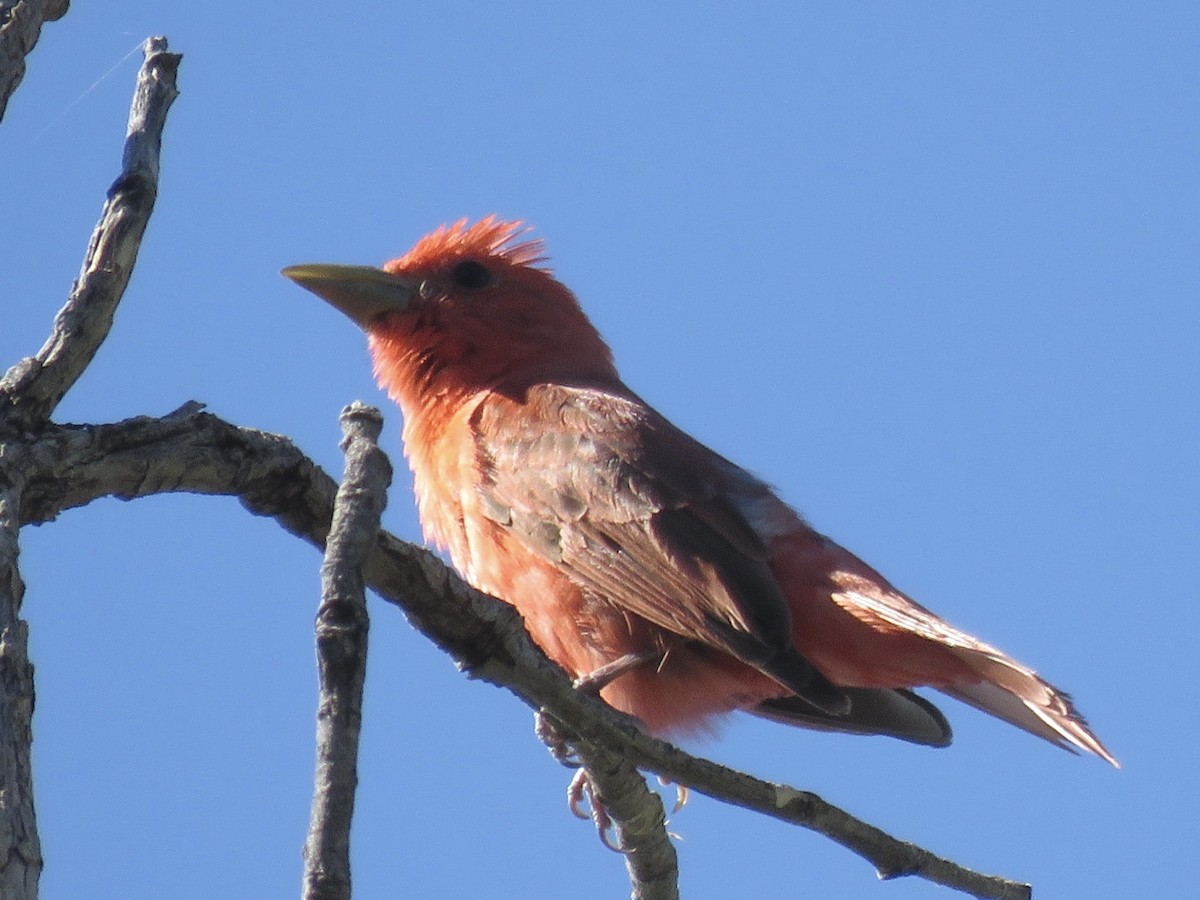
(643, 563)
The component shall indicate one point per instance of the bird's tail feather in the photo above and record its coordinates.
(1020, 696)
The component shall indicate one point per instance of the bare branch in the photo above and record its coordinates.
(31, 390)
(196, 452)
(342, 626)
(20, 848)
(20, 27)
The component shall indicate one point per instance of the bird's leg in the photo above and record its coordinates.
(581, 789)
(592, 683)
(598, 679)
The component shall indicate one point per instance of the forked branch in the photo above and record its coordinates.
(31, 389)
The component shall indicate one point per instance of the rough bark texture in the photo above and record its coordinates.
(20, 28)
(21, 864)
(31, 390)
(342, 626)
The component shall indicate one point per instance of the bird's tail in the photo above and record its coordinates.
(1016, 694)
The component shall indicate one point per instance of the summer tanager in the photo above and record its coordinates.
(629, 547)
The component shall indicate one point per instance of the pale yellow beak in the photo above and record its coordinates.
(363, 293)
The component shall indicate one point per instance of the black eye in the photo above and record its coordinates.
(471, 275)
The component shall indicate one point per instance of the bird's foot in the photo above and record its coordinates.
(598, 679)
(549, 734)
(581, 790)
(592, 683)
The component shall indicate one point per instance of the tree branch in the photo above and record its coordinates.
(197, 452)
(20, 848)
(342, 626)
(31, 390)
(20, 27)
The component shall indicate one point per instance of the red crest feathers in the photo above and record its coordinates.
(489, 237)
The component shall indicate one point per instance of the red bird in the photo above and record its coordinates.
(628, 546)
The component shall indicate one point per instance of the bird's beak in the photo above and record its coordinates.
(361, 292)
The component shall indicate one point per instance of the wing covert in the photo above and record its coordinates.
(642, 516)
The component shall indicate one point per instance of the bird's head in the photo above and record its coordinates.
(468, 307)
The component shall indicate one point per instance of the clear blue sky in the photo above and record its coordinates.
(931, 269)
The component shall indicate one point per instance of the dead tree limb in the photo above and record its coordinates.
(31, 390)
(341, 627)
(29, 393)
(20, 27)
(21, 864)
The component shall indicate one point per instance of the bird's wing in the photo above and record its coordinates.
(642, 516)
(897, 713)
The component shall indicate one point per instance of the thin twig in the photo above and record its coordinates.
(341, 629)
(196, 452)
(32, 388)
(20, 26)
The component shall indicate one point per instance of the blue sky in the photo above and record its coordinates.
(931, 269)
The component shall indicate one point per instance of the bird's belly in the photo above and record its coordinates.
(682, 692)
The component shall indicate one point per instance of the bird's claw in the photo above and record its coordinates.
(578, 791)
(547, 732)
(681, 794)
(581, 790)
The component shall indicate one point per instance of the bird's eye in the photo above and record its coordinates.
(471, 275)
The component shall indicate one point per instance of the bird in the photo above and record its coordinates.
(652, 569)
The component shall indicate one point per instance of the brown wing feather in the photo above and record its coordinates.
(637, 513)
